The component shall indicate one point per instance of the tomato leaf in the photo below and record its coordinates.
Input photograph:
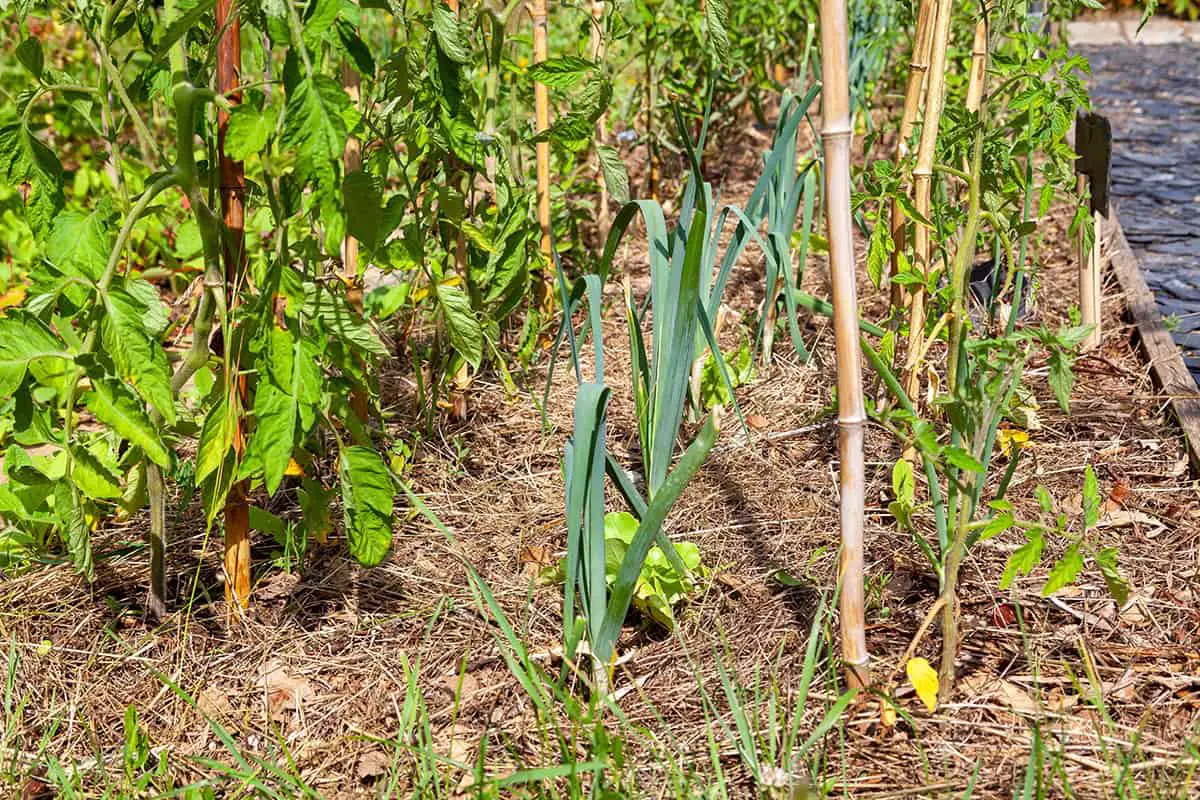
(367, 497)
(117, 406)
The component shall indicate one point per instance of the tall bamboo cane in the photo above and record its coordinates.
(918, 67)
(836, 132)
(597, 50)
(233, 204)
(541, 112)
(922, 187)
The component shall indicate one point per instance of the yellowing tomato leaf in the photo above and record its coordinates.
(924, 680)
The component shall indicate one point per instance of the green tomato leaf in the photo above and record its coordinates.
(362, 197)
(367, 497)
(75, 533)
(1118, 586)
(319, 117)
(1061, 378)
(29, 53)
(449, 35)
(616, 178)
(1024, 558)
(24, 341)
(138, 358)
(216, 440)
(904, 485)
(79, 243)
(247, 132)
(24, 159)
(274, 433)
(91, 476)
(1065, 571)
(117, 406)
(562, 72)
(466, 335)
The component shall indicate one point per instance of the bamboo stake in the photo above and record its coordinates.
(965, 256)
(835, 135)
(597, 50)
(979, 61)
(233, 199)
(541, 103)
(918, 67)
(922, 187)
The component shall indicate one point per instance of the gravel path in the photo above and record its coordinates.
(1152, 95)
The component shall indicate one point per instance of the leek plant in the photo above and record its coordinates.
(660, 371)
(602, 605)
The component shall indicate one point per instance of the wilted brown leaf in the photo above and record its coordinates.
(372, 764)
(285, 692)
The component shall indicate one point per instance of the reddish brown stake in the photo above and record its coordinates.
(352, 158)
(541, 113)
(233, 210)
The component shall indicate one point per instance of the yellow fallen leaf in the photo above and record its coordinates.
(1011, 438)
(925, 680)
(293, 468)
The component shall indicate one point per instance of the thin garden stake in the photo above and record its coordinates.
(597, 51)
(1089, 277)
(233, 199)
(922, 188)
(965, 255)
(456, 176)
(1089, 289)
(979, 63)
(352, 159)
(541, 111)
(835, 136)
(918, 67)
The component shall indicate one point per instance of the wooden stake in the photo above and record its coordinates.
(835, 136)
(352, 160)
(1089, 279)
(233, 204)
(918, 67)
(597, 50)
(541, 109)
(922, 188)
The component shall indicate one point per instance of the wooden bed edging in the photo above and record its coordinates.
(1167, 367)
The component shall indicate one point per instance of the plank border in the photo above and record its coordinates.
(1167, 368)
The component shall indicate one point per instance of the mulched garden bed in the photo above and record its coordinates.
(317, 661)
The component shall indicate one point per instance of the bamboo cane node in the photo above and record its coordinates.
(837, 135)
